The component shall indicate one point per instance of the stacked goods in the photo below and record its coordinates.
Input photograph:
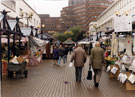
(4, 68)
(113, 70)
(111, 60)
(20, 59)
(128, 79)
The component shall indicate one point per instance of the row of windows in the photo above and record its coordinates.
(118, 6)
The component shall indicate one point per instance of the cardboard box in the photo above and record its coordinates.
(20, 59)
(129, 86)
(111, 75)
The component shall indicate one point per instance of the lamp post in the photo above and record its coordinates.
(27, 17)
(42, 26)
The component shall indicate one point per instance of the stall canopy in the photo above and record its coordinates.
(69, 41)
(12, 24)
(84, 41)
(26, 31)
(37, 42)
(45, 36)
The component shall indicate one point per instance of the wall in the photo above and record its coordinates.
(21, 4)
(120, 6)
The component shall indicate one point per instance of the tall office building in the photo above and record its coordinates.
(75, 2)
(94, 8)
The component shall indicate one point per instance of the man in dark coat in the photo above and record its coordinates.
(79, 57)
(96, 61)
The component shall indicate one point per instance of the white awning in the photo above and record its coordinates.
(1, 17)
(26, 31)
(12, 24)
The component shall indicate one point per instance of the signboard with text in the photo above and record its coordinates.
(123, 23)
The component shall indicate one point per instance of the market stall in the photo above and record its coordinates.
(121, 59)
(9, 34)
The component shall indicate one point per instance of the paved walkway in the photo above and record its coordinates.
(47, 80)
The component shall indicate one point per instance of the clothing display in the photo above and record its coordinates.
(114, 46)
(128, 45)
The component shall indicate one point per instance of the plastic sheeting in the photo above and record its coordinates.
(134, 44)
(37, 42)
(114, 47)
(12, 24)
(1, 17)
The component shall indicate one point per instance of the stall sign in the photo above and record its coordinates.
(123, 23)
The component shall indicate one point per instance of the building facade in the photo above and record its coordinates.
(83, 12)
(51, 24)
(75, 2)
(19, 8)
(67, 18)
(80, 15)
(119, 7)
(94, 8)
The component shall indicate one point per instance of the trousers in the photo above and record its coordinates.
(97, 75)
(60, 58)
(78, 73)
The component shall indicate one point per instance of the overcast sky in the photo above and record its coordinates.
(52, 7)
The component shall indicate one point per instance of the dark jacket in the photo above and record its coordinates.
(61, 52)
(65, 51)
(55, 53)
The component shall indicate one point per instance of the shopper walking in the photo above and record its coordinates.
(55, 55)
(96, 61)
(61, 55)
(65, 53)
(79, 57)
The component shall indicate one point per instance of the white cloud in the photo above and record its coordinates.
(52, 7)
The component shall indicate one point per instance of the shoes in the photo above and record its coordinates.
(96, 85)
(78, 81)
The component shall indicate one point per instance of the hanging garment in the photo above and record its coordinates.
(128, 45)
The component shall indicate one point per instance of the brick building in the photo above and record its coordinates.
(51, 23)
(94, 9)
(75, 2)
(78, 13)
(67, 18)
(83, 12)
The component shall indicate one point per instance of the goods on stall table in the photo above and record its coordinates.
(114, 71)
(20, 59)
(128, 84)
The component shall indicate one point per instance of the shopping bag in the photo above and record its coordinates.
(70, 64)
(89, 76)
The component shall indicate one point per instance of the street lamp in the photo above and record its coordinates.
(41, 26)
(27, 17)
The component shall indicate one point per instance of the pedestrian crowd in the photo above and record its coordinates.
(60, 54)
(79, 58)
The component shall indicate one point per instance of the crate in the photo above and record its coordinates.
(129, 86)
(111, 75)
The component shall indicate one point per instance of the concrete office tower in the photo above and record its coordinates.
(94, 8)
(75, 2)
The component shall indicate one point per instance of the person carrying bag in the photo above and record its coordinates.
(97, 61)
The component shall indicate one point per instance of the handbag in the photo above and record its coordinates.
(89, 76)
